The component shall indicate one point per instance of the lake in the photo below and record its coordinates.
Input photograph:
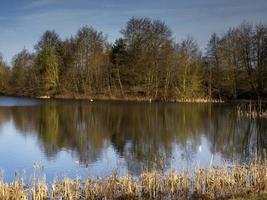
(79, 137)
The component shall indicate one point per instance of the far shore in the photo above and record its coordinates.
(148, 99)
(138, 99)
(130, 98)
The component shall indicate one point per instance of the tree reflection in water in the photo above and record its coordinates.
(140, 133)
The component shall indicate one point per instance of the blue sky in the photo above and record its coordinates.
(22, 22)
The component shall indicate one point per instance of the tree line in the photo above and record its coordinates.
(145, 62)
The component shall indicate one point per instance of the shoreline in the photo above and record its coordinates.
(115, 98)
(134, 99)
(137, 99)
(147, 99)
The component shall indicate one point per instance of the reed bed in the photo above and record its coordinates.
(199, 100)
(252, 110)
(211, 183)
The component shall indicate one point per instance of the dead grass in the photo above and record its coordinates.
(237, 181)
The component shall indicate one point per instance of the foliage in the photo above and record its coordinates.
(144, 63)
(4, 76)
(237, 62)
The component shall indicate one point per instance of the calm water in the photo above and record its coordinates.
(95, 138)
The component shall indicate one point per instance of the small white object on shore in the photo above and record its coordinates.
(43, 97)
(91, 100)
(150, 100)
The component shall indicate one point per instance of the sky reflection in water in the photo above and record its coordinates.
(83, 138)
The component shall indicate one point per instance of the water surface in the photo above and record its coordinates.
(95, 138)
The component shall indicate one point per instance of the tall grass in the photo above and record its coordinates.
(252, 110)
(210, 183)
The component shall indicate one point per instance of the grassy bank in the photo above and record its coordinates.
(237, 181)
(136, 98)
(120, 98)
(254, 197)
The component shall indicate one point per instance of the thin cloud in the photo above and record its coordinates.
(36, 4)
(29, 18)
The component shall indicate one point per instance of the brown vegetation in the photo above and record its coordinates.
(252, 109)
(211, 183)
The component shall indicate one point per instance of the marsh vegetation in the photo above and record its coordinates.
(222, 182)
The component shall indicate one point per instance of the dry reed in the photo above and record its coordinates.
(211, 183)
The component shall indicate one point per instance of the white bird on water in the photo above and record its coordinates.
(91, 100)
